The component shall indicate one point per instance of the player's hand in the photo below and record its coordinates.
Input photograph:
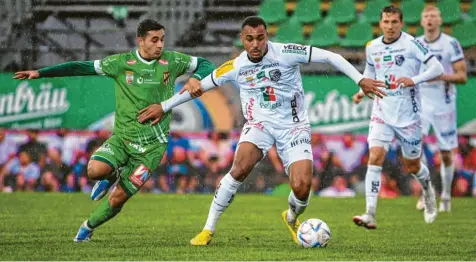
(32, 74)
(194, 87)
(153, 112)
(357, 97)
(370, 87)
(405, 82)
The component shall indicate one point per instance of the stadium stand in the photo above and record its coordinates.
(90, 29)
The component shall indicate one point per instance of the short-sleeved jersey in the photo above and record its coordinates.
(439, 95)
(270, 90)
(401, 58)
(140, 83)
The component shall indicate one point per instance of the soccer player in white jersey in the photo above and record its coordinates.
(438, 98)
(396, 58)
(273, 103)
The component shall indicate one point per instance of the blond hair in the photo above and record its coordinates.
(431, 8)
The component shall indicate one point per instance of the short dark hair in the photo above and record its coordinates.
(147, 25)
(393, 10)
(253, 21)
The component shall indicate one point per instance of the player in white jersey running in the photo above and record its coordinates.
(438, 98)
(273, 103)
(396, 58)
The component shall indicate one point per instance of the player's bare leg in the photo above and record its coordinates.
(246, 157)
(99, 170)
(108, 209)
(300, 179)
(447, 172)
(421, 173)
(377, 156)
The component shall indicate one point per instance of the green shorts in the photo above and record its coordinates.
(137, 161)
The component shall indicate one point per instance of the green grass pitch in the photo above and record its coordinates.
(35, 226)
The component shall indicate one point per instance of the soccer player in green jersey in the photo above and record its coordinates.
(143, 78)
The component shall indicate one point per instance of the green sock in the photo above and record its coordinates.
(102, 213)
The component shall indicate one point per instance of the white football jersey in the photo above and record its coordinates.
(271, 90)
(439, 95)
(391, 61)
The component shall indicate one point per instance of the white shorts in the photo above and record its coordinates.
(444, 127)
(382, 134)
(292, 144)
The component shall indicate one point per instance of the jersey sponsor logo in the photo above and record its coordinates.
(249, 109)
(163, 62)
(387, 58)
(397, 50)
(106, 149)
(129, 77)
(270, 65)
(248, 72)
(295, 49)
(410, 142)
(140, 80)
(270, 98)
(390, 81)
(138, 147)
(399, 59)
(225, 68)
(377, 59)
(275, 75)
(250, 78)
(131, 62)
(140, 175)
(166, 77)
(413, 97)
(294, 110)
(377, 120)
(260, 75)
(456, 47)
(147, 72)
(300, 141)
(448, 133)
(420, 46)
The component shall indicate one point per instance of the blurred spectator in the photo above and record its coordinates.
(36, 149)
(337, 189)
(55, 173)
(388, 188)
(8, 148)
(20, 174)
(216, 151)
(327, 165)
(80, 168)
(349, 151)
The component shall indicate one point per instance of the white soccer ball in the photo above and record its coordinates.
(313, 233)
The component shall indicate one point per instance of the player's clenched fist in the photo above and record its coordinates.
(194, 87)
(153, 112)
(370, 87)
(32, 74)
(405, 82)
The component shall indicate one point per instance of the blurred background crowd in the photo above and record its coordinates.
(56, 161)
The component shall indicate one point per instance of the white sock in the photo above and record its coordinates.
(423, 176)
(372, 187)
(447, 173)
(296, 207)
(223, 197)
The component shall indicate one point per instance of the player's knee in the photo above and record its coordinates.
(446, 157)
(98, 170)
(377, 157)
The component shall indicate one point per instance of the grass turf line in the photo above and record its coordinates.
(36, 226)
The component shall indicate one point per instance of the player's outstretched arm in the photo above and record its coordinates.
(75, 68)
(193, 85)
(434, 70)
(368, 86)
(156, 112)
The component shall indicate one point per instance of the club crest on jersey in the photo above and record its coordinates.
(140, 175)
(166, 77)
(275, 75)
(129, 77)
(131, 62)
(399, 59)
